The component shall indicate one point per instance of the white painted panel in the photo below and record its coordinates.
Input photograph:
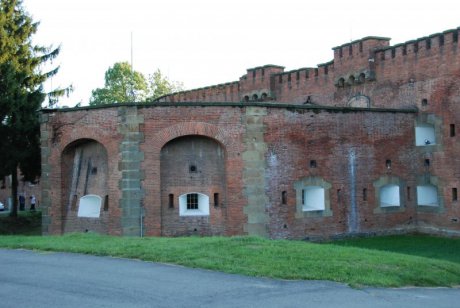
(389, 195)
(90, 206)
(424, 135)
(314, 198)
(203, 205)
(427, 195)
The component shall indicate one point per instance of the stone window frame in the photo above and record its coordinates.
(423, 180)
(432, 121)
(384, 181)
(300, 186)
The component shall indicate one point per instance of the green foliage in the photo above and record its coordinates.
(21, 93)
(160, 85)
(121, 86)
(357, 266)
(125, 85)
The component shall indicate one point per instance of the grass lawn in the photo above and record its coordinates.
(394, 261)
(27, 223)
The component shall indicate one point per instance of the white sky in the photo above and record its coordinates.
(207, 42)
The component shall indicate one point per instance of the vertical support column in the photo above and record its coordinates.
(45, 204)
(254, 171)
(131, 174)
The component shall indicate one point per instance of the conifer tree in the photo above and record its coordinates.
(21, 94)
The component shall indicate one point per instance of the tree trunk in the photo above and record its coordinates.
(14, 191)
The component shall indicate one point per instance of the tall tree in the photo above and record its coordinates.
(160, 85)
(122, 85)
(21, 94)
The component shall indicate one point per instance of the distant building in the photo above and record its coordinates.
(364, 144)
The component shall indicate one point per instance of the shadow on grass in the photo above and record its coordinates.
(27, 223)
(434, 247)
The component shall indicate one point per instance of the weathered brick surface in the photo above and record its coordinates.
(271, 125)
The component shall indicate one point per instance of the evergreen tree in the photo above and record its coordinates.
(21, 94)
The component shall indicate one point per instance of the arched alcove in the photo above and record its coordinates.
(84, 176)
(192, 168)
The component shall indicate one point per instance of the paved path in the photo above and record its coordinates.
(43, 279)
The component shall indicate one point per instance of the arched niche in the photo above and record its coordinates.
(192, 168)
(84, 186)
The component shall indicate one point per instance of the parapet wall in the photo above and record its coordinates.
(361, 66)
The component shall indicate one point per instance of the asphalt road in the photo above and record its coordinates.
(37, 279)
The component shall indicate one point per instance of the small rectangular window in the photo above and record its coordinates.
(313, 164)
(408, 193)
(361, 46)
(303, 197)
(216, 199)
(364, 194)
(192, 202)
(452, 130)
(284, 197)
(171, 201)
(280, 78)
(427, 162)
(388, 163)
(454, 194)
(106, 203)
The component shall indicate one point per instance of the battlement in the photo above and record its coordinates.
(433, 43)
(369, 59)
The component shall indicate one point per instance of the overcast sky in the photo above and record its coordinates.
(207, 42)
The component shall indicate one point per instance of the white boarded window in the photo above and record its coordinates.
(193, 204)
(313, 198)
(425, 135)
(427, 195)
(90, 206)
(389, 195)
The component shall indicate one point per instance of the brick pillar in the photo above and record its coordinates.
(132, 194)
(46, 203)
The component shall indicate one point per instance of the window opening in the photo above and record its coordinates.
(393, 52)
(350, 50)
(389, 195)
(427, 162)
(297, 75)
(361, 46)
(94, 170)
(455, 37)
(216, 199)
(408, 193)
(255, 97)
(364, 194)
(340, 53)
(424, 102)
(441, 40)
(313, 164)
(192, 202)
(106, 203)
(416, 47)
(428, 43)
(171, 201)
(303, 196)
(454, 194)
(427, 195)
(193, 168)
(452, 130)
(284, 197)
(73, 206)
(388, 163)
(280, 78)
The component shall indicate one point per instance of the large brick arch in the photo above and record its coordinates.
(191, 128)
